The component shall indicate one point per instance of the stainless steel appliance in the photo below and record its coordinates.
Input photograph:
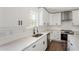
(64, 34)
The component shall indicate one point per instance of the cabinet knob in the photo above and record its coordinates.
(43, 42)
(34, 46)
(71, 44)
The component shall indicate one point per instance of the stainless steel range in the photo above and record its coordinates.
(65, 33)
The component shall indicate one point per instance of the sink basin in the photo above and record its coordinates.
(37, 35)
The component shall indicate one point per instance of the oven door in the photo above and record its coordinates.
(64, 37)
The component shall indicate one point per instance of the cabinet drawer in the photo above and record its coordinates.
(31, 48)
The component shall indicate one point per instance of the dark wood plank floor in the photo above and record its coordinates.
(57, 46)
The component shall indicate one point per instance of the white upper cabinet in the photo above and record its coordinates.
(43, 16)
(25, 14)
(11, 16)
(55, 19)
(1, 18)
(75, 17)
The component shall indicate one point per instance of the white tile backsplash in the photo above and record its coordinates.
(9, 34)
(5, 31)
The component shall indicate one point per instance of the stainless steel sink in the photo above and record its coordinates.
(37, 35)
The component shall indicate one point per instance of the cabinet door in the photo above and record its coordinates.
(44, 43)
(33, 47)
(10, 17)
(73, 46)
(58, 19)
(56, 35)
(52, 19)
(72, 43)
(41, 22)
(51, 36)
(2, 18)
(26, 15)
(55, 19)
(75, 17)
(43, 16)
(40, 45)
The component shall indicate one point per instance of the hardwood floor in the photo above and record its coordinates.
(57, 46)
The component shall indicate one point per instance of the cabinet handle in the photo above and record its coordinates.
(34, 46)
(18, 22)
(21, 22)
(71, 43)
(43, 42)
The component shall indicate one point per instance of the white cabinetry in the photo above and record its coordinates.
(55, 35)
(55, 19)
(43, 16)
(72, 43)
(40, 45)
(10, 16)
(75, 17)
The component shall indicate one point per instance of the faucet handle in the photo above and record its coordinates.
(34, 30)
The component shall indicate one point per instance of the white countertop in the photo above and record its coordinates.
(22, 41)
(20, 44)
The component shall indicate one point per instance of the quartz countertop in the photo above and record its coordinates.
(21, 43)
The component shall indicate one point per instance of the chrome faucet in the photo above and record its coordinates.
(35, 30)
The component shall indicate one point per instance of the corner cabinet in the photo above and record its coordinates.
(55, 35)
(75, 17)
(40, 45)
(55, 19)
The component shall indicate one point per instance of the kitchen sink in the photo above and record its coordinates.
(37, 35)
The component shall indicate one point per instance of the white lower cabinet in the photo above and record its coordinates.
(44, 43)
(40, 45)
(72, 45)
(55, 35)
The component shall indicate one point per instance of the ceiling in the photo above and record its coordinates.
(60, 9)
